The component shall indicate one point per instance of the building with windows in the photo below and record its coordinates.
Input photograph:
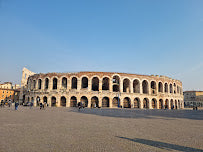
(193, 98)
(7, 95)
(102, 89)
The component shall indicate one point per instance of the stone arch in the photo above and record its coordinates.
(95, 84)
(137, 103)
(74, 83)
(146, 103)
(94, 102)
(53, 101)
(63, 101)
(116, 83)
(64, 82)
(176, 104)
(84, 83)
(161, 104)
(154, 103)
(160, 87)
(126, 85)
(105, 83)
(38, 100)
(55, 81)
(136, 86)
(172, 104)
(166, 87)
(45, 99)
(153, 87)
(105, 102)
(39, 84)
(46, 85)
(34, 84)
(174, 86)
(166, 104)
(126, 102)
(145, 88)
(171, 88)
(84, 101)
(73, 101)
(116, 102)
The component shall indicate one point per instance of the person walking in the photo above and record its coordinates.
(16, 105)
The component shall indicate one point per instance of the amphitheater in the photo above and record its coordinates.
(102, 89)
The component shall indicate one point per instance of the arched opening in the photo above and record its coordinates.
(154, 103)
(105, 102)
(94, 102)
(64, 83)
(46, 86)
(136, 86)
(73, 101)
(160, 87)
(34, 84)
(161, 105)
(105, 83)
(116, 84)
(95, 84)
(45, 99)
(54, 83)
(166, 104)
(115, 102)
(84, 101)
(38, 100)
(74, 83)
(145, 87)
(166, 87)
(126, 85)
(53, 101)
(63, 101)
(176, 105)
(174, 86)
(126, 102)
(153, 87)
(146, 103)
(178, 89)
(171, 88)
(136, 103)
(39, 83)
(84, 82)
(172, 104)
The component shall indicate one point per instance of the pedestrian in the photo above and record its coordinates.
(31, 104)
(40, 105)
(16, 105)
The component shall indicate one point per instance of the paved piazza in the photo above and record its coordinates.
(119, 130)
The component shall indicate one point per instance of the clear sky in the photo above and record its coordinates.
(163, 37)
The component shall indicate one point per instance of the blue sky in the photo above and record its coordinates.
(143, 37)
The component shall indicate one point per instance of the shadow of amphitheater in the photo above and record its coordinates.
(162, 145)
(148, 113)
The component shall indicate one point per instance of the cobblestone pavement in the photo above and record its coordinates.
(89, 130)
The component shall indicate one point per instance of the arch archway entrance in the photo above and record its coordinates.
(95, 84)
(105, 102)
(115, 102)
(146, 103)
(45, 99)
(53, 101)
(84, 101)
(154, 103)
(136, 103)
(84, 83)
(126, 85)
(63, 101)
(116, 84)
(73, 101)
(94, 102)
(172, 104)
(145, 88)
(166, 104)
(126, 102)
(161, 104)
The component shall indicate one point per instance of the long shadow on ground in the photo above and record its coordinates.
(162, 145)
(137, 113)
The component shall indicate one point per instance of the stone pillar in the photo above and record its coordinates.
(68, 101)
(49, 101)
(121, 86)
(36, 87)
(89, 103)
(89, 85)
(110, 85)
(132, 103)
(59, 84)
(68, 84)
(78, 84)
(100, 85)
(110, 102)
(141, 103)
(42, 84)
(141, 90)
(150, 104)
(169, 104)
(121, 101)
(50, 84)
(149, 88)
(58, 101)
(131, 86)
(100, 101)
(35, 102)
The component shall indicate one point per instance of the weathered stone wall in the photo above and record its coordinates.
(135, 91)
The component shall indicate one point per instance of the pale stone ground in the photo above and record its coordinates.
(119, 130)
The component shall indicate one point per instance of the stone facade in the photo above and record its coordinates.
(104, 89)
(193, 98)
